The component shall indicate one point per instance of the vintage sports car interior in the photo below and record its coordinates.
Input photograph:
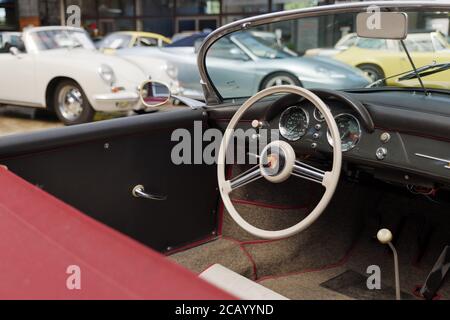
(358, 180)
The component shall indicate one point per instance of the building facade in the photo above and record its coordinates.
(161, 16)
(169, 17)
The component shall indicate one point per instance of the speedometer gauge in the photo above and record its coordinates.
(294, 123)
(349, 129)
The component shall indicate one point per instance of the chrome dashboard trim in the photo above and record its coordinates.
(447, 162)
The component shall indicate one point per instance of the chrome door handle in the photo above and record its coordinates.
(139, 192)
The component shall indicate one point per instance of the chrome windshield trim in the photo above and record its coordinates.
(213, 97)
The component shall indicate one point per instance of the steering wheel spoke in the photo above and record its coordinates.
(307, 172)
(245, 178)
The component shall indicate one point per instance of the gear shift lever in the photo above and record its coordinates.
(385, 237)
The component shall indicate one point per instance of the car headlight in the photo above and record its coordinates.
(330, 73)
(107, 74)
(171, 71)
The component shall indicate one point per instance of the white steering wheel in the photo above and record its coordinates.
(278, 162)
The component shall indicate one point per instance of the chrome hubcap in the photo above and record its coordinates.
(70, 103)
(279, 81)
(371, 74)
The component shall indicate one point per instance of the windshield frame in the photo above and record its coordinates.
(213, 96)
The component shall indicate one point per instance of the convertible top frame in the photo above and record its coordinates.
(213, 97)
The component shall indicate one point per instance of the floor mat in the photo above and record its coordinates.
(228, 253)
(306, 286)
(354, 285)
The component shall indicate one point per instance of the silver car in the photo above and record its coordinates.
(240, 55)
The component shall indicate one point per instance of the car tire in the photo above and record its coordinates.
(71, 104)
(279, 78)
(374, 72)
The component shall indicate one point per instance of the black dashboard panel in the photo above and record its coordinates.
(411, 134)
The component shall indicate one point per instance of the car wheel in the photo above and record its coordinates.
(372, 71)
(279, 79)
(71, 104)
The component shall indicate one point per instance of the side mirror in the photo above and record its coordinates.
(14, 51)
(382, 25)
(154, 94)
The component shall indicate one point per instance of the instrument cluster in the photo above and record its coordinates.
(295, 122)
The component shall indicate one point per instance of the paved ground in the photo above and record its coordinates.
(14, 120)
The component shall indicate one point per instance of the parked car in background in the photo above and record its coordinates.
(130, 39)
(241, 55)
(59, 69)
(380, 57)
(191, 40)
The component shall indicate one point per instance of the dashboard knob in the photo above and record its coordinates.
(381, 153)
(385, 137)
(256, 124)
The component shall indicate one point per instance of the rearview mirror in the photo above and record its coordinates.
(154, 94)
(382, 25)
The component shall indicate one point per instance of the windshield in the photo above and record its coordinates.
(260, 47)
(57, 39)
(116, 41)
(325, 52)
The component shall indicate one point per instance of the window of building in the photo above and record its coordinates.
(162, 26)
(116, 8)
(156, 8)
(245, 6)
(8, 15)
(197, 7)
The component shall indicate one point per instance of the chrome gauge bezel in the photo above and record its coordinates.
(318, 119)
(282, 127)
(348, 148)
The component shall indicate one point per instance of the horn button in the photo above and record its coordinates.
(277, 161)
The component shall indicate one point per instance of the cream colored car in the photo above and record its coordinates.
(59, 69)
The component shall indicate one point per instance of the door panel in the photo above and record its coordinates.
(17, 79)
(95, 167)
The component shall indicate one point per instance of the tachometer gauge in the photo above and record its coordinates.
(294, 123)
(349, 129)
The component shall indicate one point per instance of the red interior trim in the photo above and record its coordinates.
(40, 237)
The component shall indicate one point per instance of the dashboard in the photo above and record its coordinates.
(398, 136)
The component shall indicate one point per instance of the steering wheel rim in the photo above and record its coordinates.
(330, 179)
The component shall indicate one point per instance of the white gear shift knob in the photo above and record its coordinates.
(384, 236)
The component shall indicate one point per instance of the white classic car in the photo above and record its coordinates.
(59, 69)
